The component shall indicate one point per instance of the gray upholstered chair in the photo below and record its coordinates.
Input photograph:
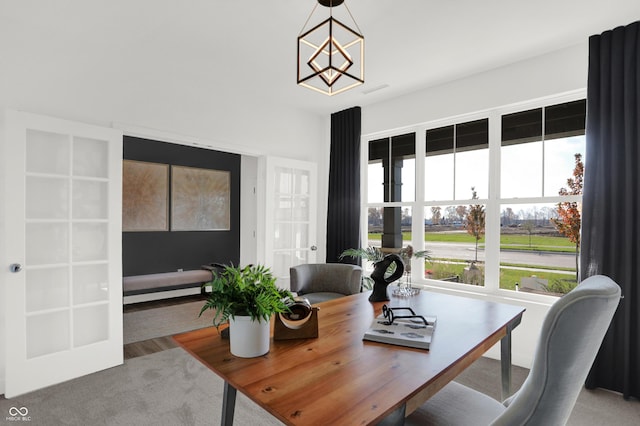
(325, 281)
(570, 337)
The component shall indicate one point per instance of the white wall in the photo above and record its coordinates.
(323, 189)
(548, 75)
(248, 210)
(552, 74)
(3, 254)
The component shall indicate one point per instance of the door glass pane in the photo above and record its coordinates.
(47, 333)
(90, 199)
(301, 182)
(291, 235)
(90, 283)
(300, 235)
(90, 325)
(47, 198)
(283, 207)
(301, 208)
(281, 263)
(47, 243)
(47, 288)
(89, 241)
(90, 157)
(282, 237)
(300, 257)
(283, 180)
(47, 153)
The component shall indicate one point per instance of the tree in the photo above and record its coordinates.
(436, 215)
(528, 226)
(569, 221)
(475, 220)
(375, 216)
(508, 216)
(462, 212)
(451, 213)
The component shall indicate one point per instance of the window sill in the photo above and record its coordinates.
(545, 299)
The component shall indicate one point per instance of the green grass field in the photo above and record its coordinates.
(507, 241)
(558, 282)
(510, 274)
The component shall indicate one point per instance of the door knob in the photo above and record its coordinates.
(314, 248)
(15, 267)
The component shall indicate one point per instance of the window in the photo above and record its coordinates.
(538, 147)
(456, 168)
(539, 150)
(484, 206)
(456, 159)
(391, 171)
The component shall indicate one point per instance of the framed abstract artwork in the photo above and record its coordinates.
(200, 199)
(145, 196)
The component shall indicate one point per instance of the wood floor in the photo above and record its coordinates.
(147, 347)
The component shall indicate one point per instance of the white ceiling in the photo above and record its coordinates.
(202, 51)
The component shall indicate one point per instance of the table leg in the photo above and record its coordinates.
(228, 404)
(396, 418)
(505, 359)
(505, 365)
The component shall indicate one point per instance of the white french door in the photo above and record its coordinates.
(288, 192)
(63, 280)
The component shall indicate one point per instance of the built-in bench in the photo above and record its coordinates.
(139, 288)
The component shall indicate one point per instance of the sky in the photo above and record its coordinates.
(523, 171)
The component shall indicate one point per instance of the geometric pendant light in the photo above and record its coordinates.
(330, 55)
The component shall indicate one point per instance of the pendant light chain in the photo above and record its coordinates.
(310, 15)
(354, 21)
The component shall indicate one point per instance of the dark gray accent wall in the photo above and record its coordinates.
(166, 251)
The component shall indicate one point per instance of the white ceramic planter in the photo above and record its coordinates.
(248, 338)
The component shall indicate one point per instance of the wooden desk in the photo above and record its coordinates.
(340, 379)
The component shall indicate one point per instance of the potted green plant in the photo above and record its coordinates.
(246, 298)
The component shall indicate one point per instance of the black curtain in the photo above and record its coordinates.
(343, 213)
(611, 199)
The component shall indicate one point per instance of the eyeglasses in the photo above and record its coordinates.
(390, 316)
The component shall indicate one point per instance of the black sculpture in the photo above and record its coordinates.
(380, 283)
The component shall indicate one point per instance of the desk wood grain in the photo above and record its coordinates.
(340, 379)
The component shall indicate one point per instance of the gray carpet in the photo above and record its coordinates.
(166, 388)
(164, 321)
(593, 408)
(172, 388)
